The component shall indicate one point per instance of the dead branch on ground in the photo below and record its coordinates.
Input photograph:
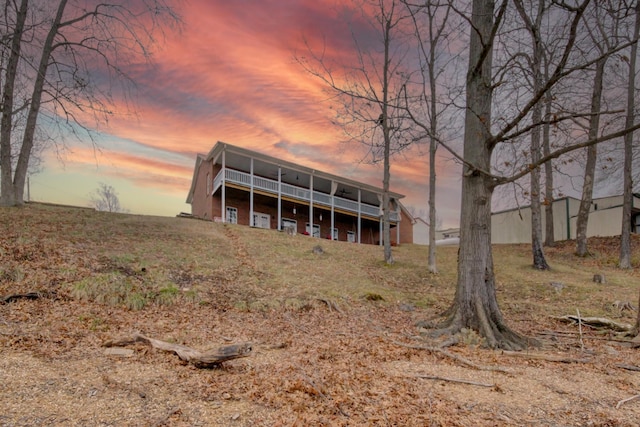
(331, 305)
(628, 399)
(627, 367)
(201, 359)
(454, 380)
(571, 335)
(546, 357)
(580, 329)
(29, 295)
(455, 357)
(596, 322)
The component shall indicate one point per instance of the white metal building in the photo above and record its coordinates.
(605, 219)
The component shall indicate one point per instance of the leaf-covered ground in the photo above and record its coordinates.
(333, 334)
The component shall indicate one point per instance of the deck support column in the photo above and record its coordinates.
(279, 227)
(223, 183)
(251, 224)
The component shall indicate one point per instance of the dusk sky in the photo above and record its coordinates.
(230, 76)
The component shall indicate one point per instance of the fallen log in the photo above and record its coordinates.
(596, 322)
(201, 359)
(10, 298)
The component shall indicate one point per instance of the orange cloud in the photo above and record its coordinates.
(231, 75)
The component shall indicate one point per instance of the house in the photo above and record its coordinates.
(605, 219)
(236, 185)
(420, 231)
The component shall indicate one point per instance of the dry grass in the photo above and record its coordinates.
(203, 284)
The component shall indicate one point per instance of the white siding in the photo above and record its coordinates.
(420, 232)
(605, 219)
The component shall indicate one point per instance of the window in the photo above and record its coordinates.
(316, 230)
(286, 222)
(261, 220)
(232, 215)
(208, 184)
(351, 236)
(335, 233)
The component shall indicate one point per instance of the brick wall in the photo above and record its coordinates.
(207, 207)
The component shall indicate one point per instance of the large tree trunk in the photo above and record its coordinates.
(475, 305)
(590, 168)
(625, 236)
(7, 195)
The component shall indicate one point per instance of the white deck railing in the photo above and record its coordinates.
(300, 193)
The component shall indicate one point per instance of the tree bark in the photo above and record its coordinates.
(202, 359)
(590, 168)
(433, 147)
(625, 235)
(475, 305)
(432, 207)
(7, 195)
(549, 230)
(388, 256)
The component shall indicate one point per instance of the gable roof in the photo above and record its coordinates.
(199, 159)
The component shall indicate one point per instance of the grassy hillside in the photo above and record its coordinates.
(325, 327)
(134, 261)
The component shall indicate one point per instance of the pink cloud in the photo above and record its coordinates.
(231, 76)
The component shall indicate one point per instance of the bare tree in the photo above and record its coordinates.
(105, 198)
(590, 167)
(372, 92)
(625, 236)
(433, 31)
(475, 303)
(549, 231)
(533, 26)
(53, 59)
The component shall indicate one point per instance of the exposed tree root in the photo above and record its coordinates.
(494, 331)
